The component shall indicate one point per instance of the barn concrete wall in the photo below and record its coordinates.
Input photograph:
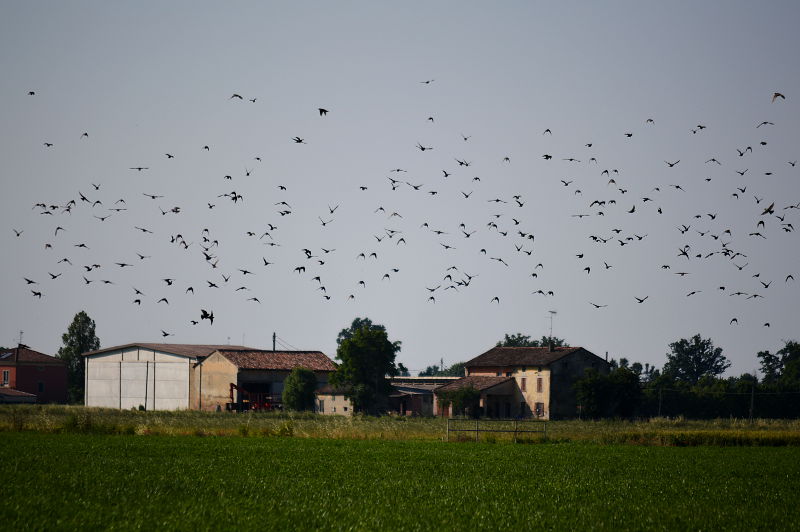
(134, 377)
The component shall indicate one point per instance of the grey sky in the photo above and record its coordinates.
(146, 80)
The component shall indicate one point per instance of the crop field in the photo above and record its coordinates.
(89, 481)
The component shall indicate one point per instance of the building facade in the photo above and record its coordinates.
(526, 382)
(32, 372)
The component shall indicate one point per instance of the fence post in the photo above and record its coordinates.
(515, 430)
(476, 431)
(448, 429)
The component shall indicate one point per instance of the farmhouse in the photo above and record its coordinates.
(251, 379)
(34, 374)
(525, 381)
(332, 400)
(192, 376)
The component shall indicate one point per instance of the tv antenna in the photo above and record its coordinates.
(552, 313)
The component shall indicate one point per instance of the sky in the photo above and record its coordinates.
(640, 106)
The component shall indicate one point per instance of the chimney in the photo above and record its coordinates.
(606, 356)
(552, 346)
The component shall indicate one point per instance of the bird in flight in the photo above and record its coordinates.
(595, 305)
(322, 112)
(140, 168)
(777, 95)
(298, 140)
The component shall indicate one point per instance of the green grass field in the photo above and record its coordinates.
(87, 481)
(661, 431)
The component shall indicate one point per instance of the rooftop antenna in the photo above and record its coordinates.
(229, 340)
(552, 313)
(20, 338)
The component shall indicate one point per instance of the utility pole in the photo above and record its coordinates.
(552, 313)
(659, 401)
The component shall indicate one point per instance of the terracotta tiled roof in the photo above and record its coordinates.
(28, 356)
(278, 360)
(186, 350)
(474, 381)
(520, 356)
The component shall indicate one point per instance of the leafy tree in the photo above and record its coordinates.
(298, 389)
(783, 367)
(691, 360)
(79, 338)
(617, 394)
(464, 400)
(366, 357)
(456, 370)
(523, 340)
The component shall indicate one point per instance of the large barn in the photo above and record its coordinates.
(190, 376)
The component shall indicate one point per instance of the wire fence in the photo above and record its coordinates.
(508, 426)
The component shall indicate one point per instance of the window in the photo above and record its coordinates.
(5, 377)
(40, 387)
(508, 373)
(522, 383)
(334, 409)
(538, 385)
(524, 368)
(539, 409)
(345, 409)
(499, 373)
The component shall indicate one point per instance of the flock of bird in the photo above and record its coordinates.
(707, 237)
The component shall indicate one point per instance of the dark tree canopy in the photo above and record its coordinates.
(298, 389)
(79, 338)
(465, 401)
(523, 340)
(456, 370)
(691, 360)
(782, 367)
(617, 394)
(366, 357)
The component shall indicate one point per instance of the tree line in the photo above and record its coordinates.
(690, 384)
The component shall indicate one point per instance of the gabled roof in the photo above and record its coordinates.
(245, 358)
(478, 382)
(184, 350)
(520, 356)
(26, 355)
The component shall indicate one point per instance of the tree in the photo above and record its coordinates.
(691, 360)
(617, 394)
(456, 370)
(464, 400)
(79, 338)
(298, 389)
(783, 367)
(523, 340)
(366, 357)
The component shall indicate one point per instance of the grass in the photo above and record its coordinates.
(80, 481)
(659, 431)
